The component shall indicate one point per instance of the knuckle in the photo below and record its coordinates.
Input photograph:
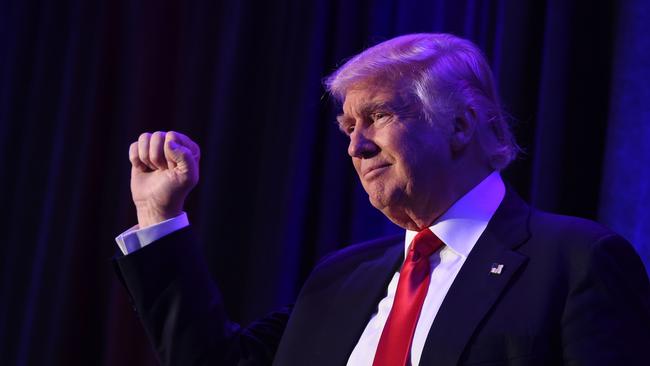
(144, 136)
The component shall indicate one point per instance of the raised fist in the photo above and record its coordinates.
(165, 168)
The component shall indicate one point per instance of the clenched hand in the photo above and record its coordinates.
(165, 168)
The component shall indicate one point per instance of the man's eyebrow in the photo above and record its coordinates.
(365, 109)
(370, 107)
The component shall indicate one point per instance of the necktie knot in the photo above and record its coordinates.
(424, 244)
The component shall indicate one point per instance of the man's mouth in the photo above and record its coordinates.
(374, 171)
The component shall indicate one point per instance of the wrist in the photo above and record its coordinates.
(149, 215)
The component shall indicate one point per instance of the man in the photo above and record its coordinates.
(478, 278)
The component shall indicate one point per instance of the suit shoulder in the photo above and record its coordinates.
(574, 239)
(355, 253)
(567, 228)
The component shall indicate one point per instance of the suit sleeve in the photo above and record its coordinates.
(182, 310)
(607, 314)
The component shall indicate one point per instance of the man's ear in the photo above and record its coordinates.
(464, 125)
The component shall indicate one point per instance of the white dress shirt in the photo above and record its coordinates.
(459, 228)
(136, 238)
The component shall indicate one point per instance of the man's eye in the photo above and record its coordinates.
(349, 129)
(378, 115)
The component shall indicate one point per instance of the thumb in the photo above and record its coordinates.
(179, 156)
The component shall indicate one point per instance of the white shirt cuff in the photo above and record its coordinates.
(136, 238)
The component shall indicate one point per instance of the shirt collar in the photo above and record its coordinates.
(464, 222)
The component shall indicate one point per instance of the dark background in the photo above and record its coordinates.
(80, 80)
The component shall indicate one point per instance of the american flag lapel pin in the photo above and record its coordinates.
(496, 268)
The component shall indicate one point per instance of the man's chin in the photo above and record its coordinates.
(394, 213)
(380, 201)
(376, 199)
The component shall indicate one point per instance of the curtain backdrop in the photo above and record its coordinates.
(80, 80)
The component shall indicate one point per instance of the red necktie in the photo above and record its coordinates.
(395, 342)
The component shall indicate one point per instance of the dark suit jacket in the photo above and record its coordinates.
(570, 293)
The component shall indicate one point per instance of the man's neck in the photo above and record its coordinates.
(423, 212)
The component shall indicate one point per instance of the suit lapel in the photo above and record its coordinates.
(475, 290)
(357, 300)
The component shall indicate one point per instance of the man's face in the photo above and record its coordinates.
(403, 161)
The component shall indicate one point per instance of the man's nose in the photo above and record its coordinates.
(361, 145)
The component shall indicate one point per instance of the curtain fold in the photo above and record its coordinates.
(625, 190)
